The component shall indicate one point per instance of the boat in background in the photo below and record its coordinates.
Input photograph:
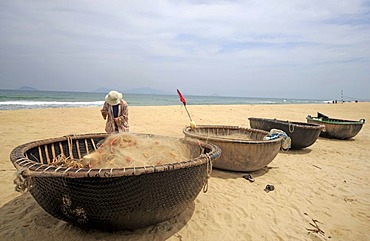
(243, 149)
(336, 128)
(302, 134)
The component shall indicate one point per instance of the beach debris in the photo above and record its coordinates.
(316, 166)
(316, 228)
(347, 199)
(269, 188)
(248, 177)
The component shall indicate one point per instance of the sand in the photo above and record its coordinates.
(327, 182)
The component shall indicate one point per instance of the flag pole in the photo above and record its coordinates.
(182, 99)
(188, 113)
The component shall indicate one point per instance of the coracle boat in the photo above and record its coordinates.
(243, 149)
(110, 199)
(302, 134)
(337, 128)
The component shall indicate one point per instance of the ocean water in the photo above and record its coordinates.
(32, 99)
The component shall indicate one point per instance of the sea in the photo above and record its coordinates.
(35, 99)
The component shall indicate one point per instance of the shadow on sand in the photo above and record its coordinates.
(224, 174)
(296, 152)
(23, 219)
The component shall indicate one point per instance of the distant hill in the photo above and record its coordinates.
(145, 90)
(26, 88)
(101, 90)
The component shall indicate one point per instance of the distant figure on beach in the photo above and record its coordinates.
(115, 111)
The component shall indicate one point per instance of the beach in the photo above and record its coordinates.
(326, 183)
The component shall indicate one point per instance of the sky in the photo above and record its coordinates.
(309, 49)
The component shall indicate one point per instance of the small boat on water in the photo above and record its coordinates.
(302, 134)
(243, 149)
(336, 128)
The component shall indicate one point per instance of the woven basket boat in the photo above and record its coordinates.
(246, 154)
(302, 134)
(337, 128)
(110, 199)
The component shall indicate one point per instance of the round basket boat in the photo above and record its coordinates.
(337, 128)
(302, 134)
(121, 198)
(243, 149)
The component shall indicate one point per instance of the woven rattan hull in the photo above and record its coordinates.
(337, 128)
(301, 134)
(250, 154)
(111, 198)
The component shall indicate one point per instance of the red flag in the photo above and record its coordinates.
(182, 99)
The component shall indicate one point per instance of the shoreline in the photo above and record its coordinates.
(43, 99)
(75, 105)
(327, 181)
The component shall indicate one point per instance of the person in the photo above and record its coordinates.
(115, 111)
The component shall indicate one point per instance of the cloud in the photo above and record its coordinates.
(202, 47)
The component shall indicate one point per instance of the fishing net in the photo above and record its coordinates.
(126, 150)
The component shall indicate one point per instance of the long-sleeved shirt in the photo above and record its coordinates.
(118, 123)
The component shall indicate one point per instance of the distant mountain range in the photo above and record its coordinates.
(144, 90)
(26, 88)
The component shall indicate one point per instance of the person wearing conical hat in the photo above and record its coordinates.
(115, 111)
